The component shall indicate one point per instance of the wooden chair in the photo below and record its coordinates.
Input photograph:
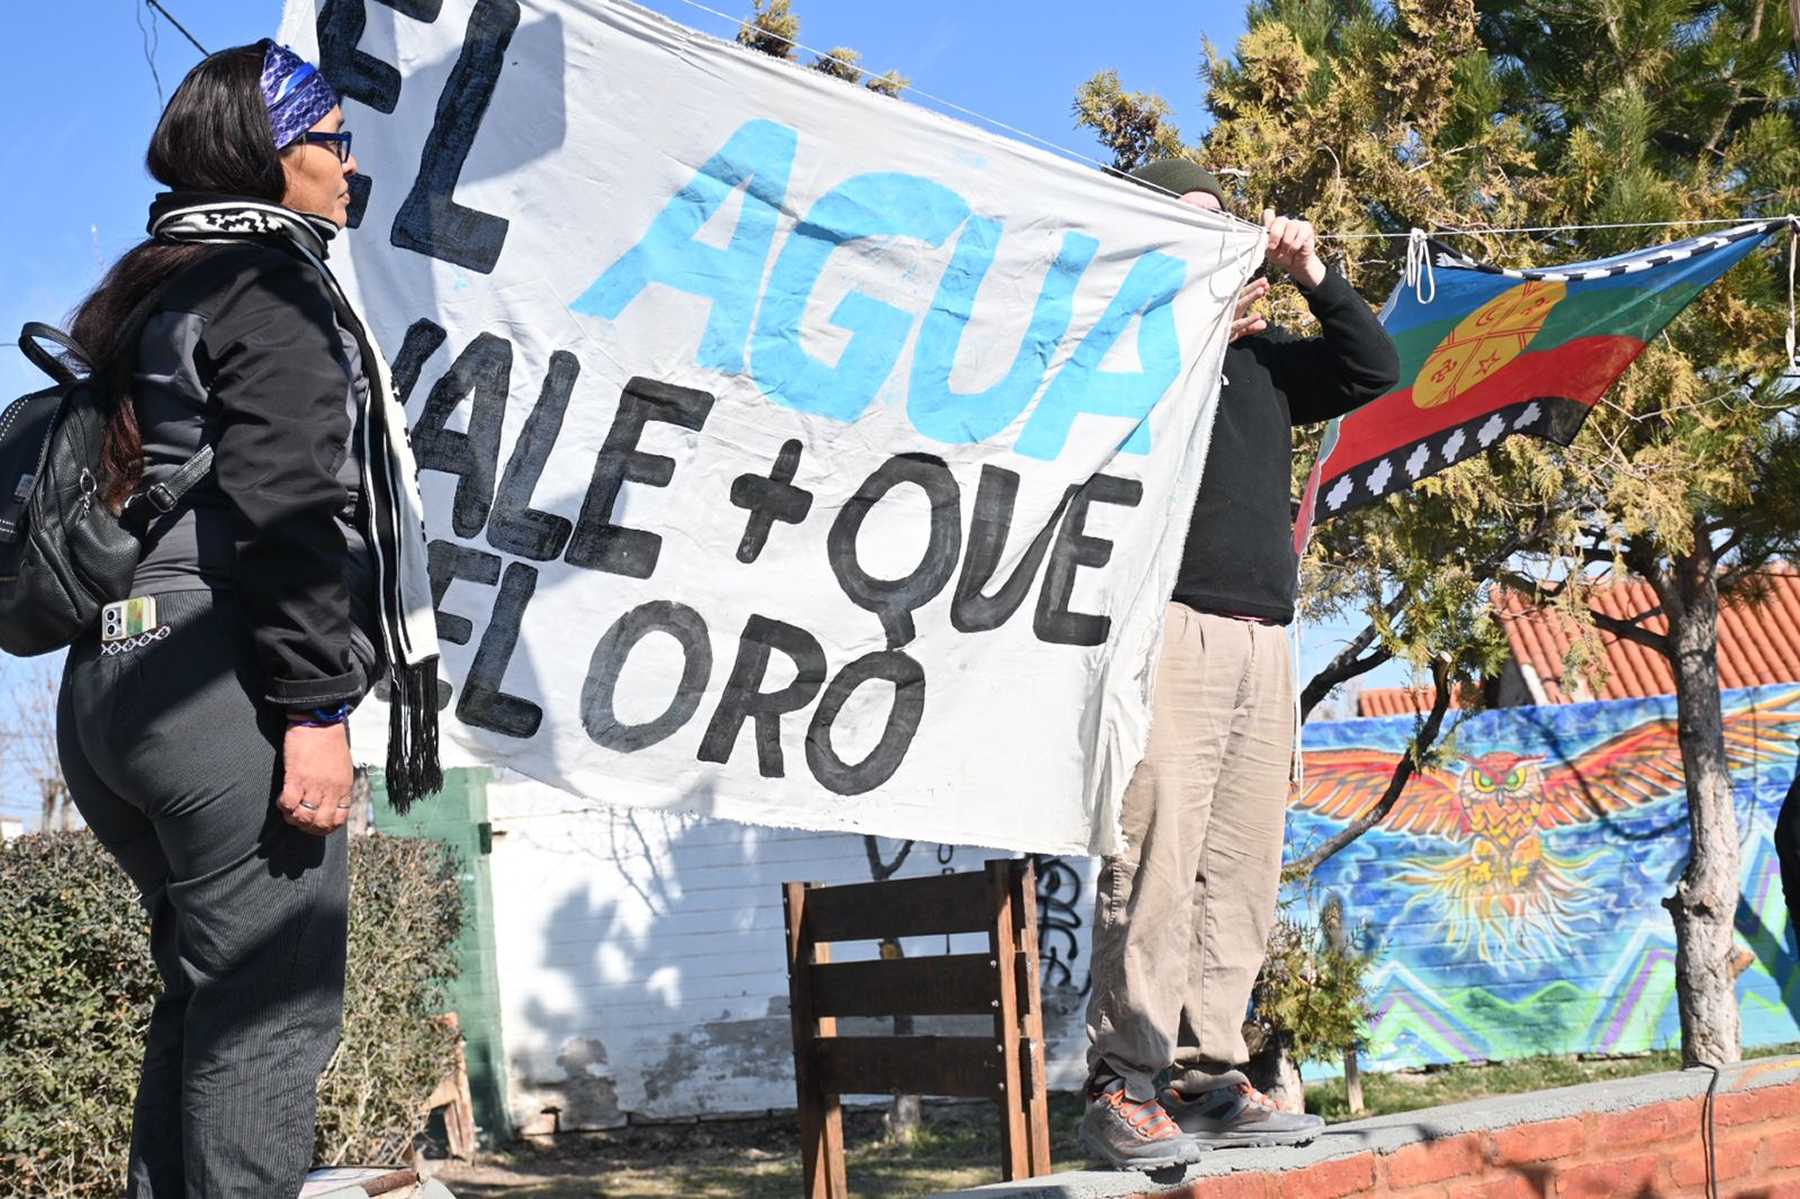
(1001, 982)
(452, 1094)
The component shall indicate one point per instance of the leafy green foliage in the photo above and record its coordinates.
(406, 913)
(1135, 126)
(1312, 992)
(1449, 114)
(76, 986)
(840, 63)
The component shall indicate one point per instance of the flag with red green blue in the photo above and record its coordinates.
(1487, 352)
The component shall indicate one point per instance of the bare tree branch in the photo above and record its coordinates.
(1338, 672)
(1627, 630)
(1733, 578)
(1404, 769)
(879, 870)
(1525, 585)
(31, 760)
(1348, 664)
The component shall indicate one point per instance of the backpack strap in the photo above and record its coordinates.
(160, 499)
(35, 331)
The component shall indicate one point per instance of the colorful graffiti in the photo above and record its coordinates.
(1513, 897)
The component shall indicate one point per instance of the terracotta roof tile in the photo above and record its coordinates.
(1397, 701)
(1759, 641)
(1759, 644)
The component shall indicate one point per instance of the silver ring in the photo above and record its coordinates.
(311, 807)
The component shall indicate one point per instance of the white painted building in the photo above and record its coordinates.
(11, 827)
(641, 964)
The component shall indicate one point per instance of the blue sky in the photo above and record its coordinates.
(84, 101)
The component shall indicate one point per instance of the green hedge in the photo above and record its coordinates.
(76, 984)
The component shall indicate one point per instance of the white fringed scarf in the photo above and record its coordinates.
(390, 481)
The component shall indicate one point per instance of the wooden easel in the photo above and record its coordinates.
(1007, 1067)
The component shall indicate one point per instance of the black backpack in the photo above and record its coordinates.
(64, 554)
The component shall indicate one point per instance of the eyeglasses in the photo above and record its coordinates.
(337, 143)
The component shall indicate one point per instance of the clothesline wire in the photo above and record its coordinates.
(1508, 229)
(949, 104)
(1111, 170)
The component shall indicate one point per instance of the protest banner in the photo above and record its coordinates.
(791, 453)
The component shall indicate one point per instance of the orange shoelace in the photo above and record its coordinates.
(1147, 1119)
(1255, 1096)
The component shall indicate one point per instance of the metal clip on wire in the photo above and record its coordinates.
(1419, 274)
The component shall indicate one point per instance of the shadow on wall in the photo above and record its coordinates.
(418, 211)
(655, 983)
(626, 952)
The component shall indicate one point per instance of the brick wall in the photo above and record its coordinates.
(1652, 1152)
(1631, 1139)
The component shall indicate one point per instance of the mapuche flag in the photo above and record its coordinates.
(1491, 352)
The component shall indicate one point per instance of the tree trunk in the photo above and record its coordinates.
(1273, 1071)
(58, 809)
(1353, 1093)
(1704, 905)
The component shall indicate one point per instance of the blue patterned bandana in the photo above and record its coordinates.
(297, 96)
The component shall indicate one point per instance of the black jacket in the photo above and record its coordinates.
(244, 352)
(1239, 558)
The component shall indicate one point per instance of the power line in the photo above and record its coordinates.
(179, 27)
(151, 38)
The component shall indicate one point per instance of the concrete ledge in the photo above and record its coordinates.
(1549, 1134)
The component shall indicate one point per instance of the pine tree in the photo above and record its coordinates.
(773, 28)
(1663, 110)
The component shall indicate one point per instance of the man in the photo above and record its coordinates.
(1787, 853)
(1184, 912)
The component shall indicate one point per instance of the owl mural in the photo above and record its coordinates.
(1508, 892)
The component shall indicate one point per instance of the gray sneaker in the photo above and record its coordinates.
(1129, 1135)
(1238, 1114)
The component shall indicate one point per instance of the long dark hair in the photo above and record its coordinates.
(214, 136)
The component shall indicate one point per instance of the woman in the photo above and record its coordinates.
(203, 734)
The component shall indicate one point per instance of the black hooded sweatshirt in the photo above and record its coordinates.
(1239, 559)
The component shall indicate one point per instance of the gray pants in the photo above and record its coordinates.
(173, 761)
(1182, 916)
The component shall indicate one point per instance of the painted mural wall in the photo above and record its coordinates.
(1513, 909)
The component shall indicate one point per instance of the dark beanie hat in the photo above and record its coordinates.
(1180, 176)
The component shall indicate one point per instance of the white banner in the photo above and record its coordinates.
(792, 453)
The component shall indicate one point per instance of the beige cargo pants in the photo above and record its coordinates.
(1183, 914)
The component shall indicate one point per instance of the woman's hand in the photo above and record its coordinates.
(316, 777)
